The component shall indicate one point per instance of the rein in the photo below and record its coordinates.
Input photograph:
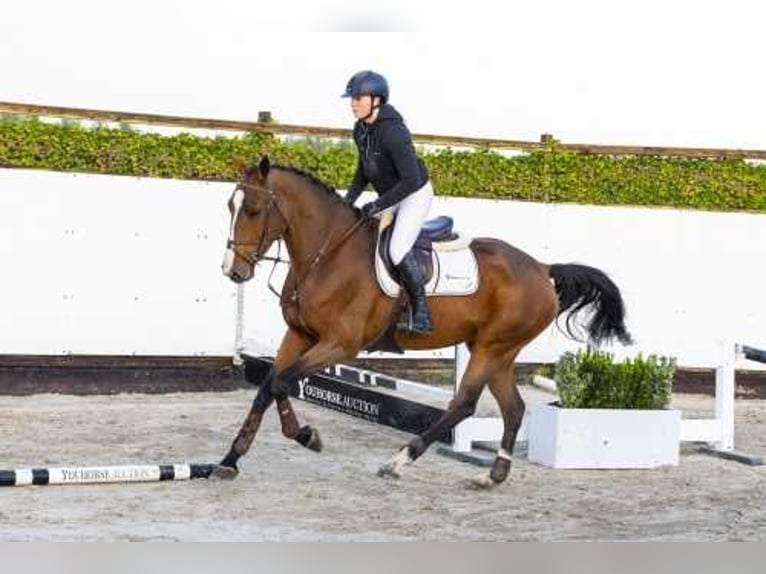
(314, 260)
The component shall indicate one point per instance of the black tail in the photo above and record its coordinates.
(579, 286)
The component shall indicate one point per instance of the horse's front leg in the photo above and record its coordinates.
(285, 375)
(320, 355)
(305, 435)
(293, 345)
(286, 379)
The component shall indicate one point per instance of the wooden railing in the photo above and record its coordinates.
(265, 125)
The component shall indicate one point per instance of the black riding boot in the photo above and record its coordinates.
(412, 280)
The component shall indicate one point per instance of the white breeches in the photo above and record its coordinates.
(411, 212)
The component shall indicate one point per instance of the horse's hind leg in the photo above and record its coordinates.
(479, 370)
(503, 388)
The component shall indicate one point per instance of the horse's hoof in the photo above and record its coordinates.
(388, 471)
(224, 472)
(394, 466)
(315, 443)
(309, 437)
(483, 481)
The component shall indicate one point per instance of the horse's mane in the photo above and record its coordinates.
(331, 192)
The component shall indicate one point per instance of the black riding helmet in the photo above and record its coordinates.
(367, 83)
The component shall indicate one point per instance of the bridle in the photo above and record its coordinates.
(237, 245)
(258, 256)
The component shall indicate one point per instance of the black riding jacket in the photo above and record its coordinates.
(387, 159)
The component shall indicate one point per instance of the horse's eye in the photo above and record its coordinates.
(250, 212)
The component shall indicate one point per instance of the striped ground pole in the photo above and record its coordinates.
(104, 474)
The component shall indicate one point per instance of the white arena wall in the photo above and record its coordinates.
(120, 266)
(113, 265)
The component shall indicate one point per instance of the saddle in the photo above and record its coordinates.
(448, 265)
(437, 230)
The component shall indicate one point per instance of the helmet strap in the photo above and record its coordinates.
(372, 108)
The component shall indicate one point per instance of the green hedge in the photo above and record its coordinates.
(542, 176)
(592, 380)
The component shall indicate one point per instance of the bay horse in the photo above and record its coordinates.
(334, 308)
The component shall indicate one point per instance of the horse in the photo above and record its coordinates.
(333, 308)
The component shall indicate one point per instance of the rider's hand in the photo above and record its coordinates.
(370, 209)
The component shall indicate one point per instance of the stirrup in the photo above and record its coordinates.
(404, 321)
(415, 330)
(408, 325)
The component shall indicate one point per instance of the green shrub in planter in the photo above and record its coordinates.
(592, 380)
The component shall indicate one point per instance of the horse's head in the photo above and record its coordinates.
(257, 221)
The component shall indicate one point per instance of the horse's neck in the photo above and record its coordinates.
(314, 223)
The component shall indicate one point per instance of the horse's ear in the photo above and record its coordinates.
(239, 165)
(264, 166)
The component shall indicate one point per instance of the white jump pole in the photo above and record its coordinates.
(724, 395)
(462, 437)
(722, 445)
(104, 474)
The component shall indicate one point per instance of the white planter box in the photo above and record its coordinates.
(603, 438)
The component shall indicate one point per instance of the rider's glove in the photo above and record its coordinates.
(370, 209)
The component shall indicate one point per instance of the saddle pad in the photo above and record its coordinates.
(456, 271)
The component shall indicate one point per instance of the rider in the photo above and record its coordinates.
(388, 161)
